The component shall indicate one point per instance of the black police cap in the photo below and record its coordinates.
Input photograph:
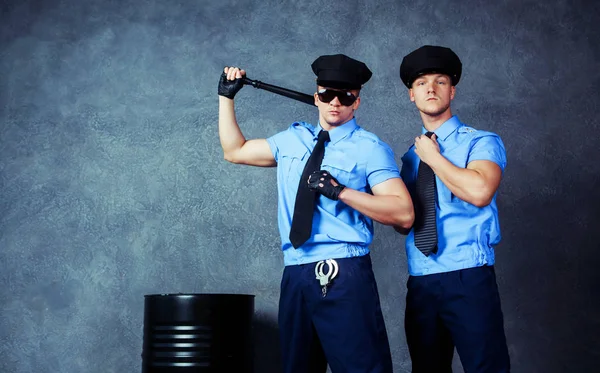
(341, 72)
(430, 59)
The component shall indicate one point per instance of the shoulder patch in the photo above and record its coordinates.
(302, 124)
(368, 135)
(302, 127)
(466, 129)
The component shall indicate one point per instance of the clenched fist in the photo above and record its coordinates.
(231, 82)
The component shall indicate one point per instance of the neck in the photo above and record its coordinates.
(431, 123)
(328, 126)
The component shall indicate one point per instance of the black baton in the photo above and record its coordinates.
(299, 96)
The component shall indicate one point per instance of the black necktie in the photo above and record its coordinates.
(305, 198)
(425, 219)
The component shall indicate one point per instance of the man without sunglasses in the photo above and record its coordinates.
(329, 308)
(452, 298)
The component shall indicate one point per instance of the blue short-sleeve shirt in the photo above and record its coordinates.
(356, 158)
(467, 234)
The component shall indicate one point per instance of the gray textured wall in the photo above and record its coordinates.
(112, 182)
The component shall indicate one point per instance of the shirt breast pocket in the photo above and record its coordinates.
(345, 171)
(293, 162)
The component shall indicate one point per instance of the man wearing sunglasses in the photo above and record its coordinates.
(453, 172)
(334, 179)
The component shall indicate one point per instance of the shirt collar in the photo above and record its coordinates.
(443, 131)
(339, 132)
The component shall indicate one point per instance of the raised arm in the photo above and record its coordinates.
(236, 148)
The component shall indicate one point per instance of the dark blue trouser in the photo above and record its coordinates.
(459, 308)
(345, 328)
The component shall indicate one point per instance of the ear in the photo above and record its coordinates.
(356, 103)
(452, 92)
(411, 95)
(316, 96)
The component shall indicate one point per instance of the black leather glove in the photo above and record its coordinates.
(320, 181)
(228, 88)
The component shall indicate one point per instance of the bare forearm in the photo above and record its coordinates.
(466, 184)
(385, 209)
(232, 138)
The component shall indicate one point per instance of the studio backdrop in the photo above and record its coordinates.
(113, 183)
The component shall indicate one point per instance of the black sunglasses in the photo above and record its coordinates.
(327, 95)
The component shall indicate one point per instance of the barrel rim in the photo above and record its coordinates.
(193, 295)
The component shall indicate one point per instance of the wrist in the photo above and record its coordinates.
(433, 159)
(226, 103)
(343, 195)
(436, 162)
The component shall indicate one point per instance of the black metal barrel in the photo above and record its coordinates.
(186, 333)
